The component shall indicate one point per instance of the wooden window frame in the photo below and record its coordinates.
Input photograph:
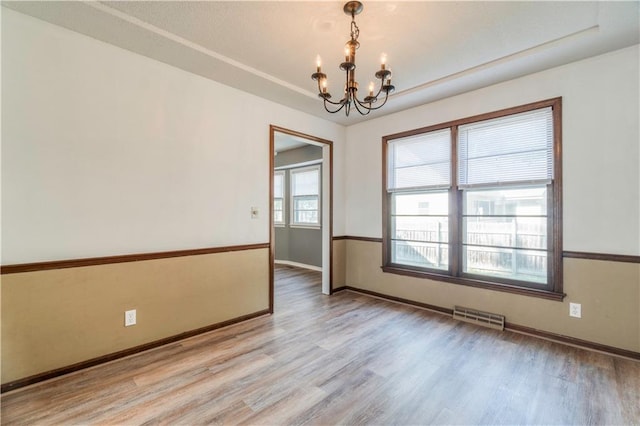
(455, 274)
(282, 223)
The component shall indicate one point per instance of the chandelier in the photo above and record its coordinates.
(350, 98)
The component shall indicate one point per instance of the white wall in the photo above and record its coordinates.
(601, 148)
(106, 152)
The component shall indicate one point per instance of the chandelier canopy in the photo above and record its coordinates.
(350, 98)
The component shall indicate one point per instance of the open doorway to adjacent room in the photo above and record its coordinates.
(300, 204)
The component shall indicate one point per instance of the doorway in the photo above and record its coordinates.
(278, 138)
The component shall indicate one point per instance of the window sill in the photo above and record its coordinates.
(543, 294)
(305, 226)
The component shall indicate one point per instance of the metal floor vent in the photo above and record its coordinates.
(473, 316)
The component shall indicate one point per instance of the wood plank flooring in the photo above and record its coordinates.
(344, 359)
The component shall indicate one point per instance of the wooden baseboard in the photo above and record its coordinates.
(401, 300)
(16, 384)
(547, 335)
(572, 341)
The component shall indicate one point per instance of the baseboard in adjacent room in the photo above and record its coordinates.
(298, 265)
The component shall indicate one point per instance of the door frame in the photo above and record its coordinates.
(327, 208)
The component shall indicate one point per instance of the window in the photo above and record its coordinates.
(278, 198)
(419, 181)
(478, 201)
(305, 196)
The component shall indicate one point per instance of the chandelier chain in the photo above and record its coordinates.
(355, 31)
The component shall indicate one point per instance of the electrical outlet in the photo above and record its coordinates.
(575, 310)
(129, 318)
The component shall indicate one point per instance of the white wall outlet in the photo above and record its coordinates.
(254, 213)
(575, 310)
(129, 318)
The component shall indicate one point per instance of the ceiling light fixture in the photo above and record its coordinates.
(350, 98)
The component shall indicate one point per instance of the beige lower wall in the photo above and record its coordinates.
(339, 263)
(55, 318)
(52, 319)
(608, 291)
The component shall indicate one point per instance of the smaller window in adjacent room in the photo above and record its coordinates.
(478, 201)
(305, 196)
(278, 198)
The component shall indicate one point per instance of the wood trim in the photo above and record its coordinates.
(16, 384)
(556, 269)
(351, 237)
(330, 218)
(602, 256)
(300, 135)
(480, 117)
(401, 300)
(568, 254)
(272, 236)
(559, 338)
(493, 285)
(93, 261)
(385, 197)
(455, 210)
(586, 344)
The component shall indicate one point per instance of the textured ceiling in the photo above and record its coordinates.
(435, 49)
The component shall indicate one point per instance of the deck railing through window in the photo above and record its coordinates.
(511, 248)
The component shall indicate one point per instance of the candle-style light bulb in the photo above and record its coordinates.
(324, 85)
(371, 86)
(383, 61)
(346, 54)
(318, 63)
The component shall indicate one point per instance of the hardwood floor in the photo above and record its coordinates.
(348, 359)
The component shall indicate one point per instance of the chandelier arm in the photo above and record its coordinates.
(386, 96)
(381, 105)
(340, 102)
(369, 105)
(359, 104)
(380, 88)
(334, 103)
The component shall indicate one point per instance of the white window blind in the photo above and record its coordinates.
(422, 161)
(278, 185)
(305, 182)
(513, 149)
